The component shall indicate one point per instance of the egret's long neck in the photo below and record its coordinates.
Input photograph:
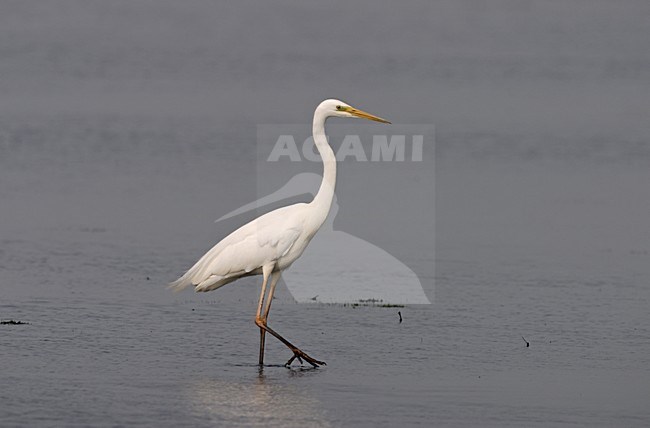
(323, 199)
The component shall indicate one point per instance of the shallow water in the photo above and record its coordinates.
(125, 132)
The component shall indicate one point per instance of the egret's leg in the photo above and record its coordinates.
(266, 271)
(261, 322)
(297, 353)
(275, 276)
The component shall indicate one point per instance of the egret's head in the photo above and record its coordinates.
(340, 109)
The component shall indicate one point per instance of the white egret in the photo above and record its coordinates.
(272, 242)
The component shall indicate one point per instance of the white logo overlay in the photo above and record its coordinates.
(376, 245)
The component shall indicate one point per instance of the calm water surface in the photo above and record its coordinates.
(126, 130)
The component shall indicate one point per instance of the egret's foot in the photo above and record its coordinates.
(297, 353)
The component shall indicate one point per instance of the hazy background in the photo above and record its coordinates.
(126, 128)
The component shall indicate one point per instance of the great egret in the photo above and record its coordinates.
(272, 242)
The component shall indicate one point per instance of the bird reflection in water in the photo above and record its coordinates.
(261, 401)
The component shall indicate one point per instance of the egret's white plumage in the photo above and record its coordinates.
(268, 239)
(272, 242)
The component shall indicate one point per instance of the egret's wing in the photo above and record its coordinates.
(246, 250)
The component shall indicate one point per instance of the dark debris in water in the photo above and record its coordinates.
(373, 302)
(13, 322)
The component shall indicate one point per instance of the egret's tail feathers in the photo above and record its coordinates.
(188, 278)
(180, 284)
(212, 283)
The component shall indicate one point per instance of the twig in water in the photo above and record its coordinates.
(400, 316)
(12, 322)
(527, 344)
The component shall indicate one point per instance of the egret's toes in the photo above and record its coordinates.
(300, 355)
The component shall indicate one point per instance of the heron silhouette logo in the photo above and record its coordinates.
(363, 272)
(377, 243)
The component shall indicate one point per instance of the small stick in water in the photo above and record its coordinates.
(527, 344)
(400, 316)
(12, 322)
